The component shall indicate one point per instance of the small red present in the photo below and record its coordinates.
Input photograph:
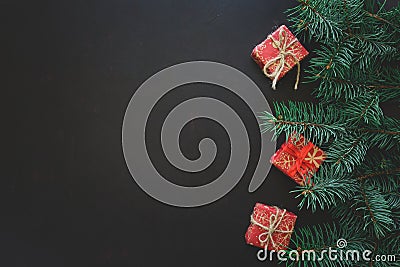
(270, 227)
(278, 54)
(298, 158)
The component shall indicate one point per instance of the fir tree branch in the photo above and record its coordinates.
(356, 65)
(371, 263)
(360, 84)
(384, 172)
(305, 3)
(319, 238)
(367, 203)
(348, 152)
(363, 109)
(317, 123)
(385, 136)
(389, 245)
(316, 18)
(377, 17)
(333, 60)
(377, 87)
(383, 81)
(367, 130)
(346, 11)
(326, 189)
(376, 216)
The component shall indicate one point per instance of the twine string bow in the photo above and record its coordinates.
(274, 223)
(283, 46)
(303, 162)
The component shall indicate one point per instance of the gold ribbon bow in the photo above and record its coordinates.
(282, 45)
(274, 222)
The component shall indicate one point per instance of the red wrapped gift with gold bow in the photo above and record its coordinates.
(270, 227)
(298, 158)
(278, 54)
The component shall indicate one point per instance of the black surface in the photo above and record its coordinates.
(69, 70)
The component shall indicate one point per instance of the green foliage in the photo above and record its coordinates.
(321, 19)
(348, 152)
(368, 208)
(380, 169)
(382, 81)
(320, 237)
(389, 84)
(386, 136)
(363, 109)
(326, 189)
(356, 37)
(390, 243)
(355, 70)
(375, 205)
(315, 122)
(332, 61)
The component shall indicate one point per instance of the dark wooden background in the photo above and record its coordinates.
(69, 69)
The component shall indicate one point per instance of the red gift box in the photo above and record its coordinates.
(278, 54)
(270, 227)
(298, 158)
